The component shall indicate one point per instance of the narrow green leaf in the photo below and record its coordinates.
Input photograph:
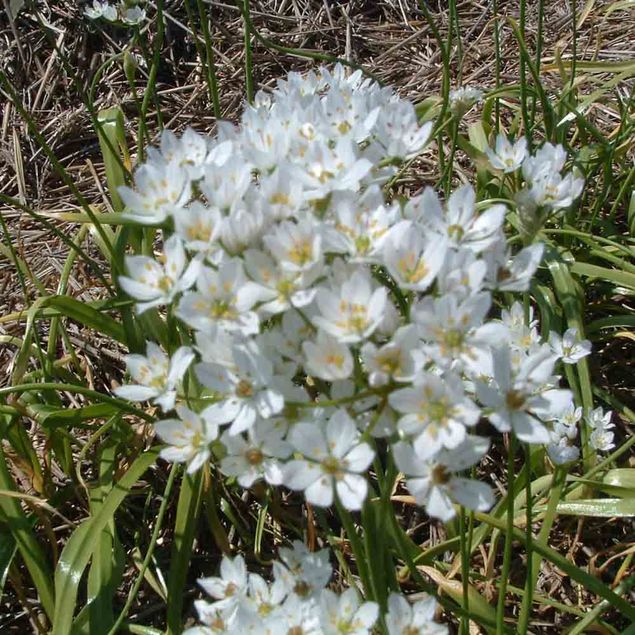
(622, 278)
(187, 513)
(110, 126)
(80, 545)
(600, 507)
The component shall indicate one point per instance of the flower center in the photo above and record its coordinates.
(254, 456)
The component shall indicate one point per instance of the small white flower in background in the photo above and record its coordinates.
(433, 484)
(346, 614)
(562, 448)
(246, 390)
(188, 437)
(463, 98)
(334, 461)
(507, 273)
(156, 375)
(301, 571)
(258, 455)
(101, 10)
(155, 284)
(353, 311)
(435, 412)
(506, 156)
(412, 260)
(602, 436)
(570, 348)
(400, 359)
(327, 358)
(520, 396)
(459, 221)
(132, 15)
(231, 587)
(160, 189)
(546, 187)
(404, 618)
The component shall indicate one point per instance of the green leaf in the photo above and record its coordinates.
(599, 507)
(80, 546)
(621, 477)
(187, 513)
(8, 549)
(621, 278)
(32, 554)
(112, 142)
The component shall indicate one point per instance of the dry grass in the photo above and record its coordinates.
(51, 59)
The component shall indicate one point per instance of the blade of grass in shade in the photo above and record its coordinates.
(150, 88)
(114, 150)
(121, 404)
(31, 552)
(82, 542)
(134, 590)
(543, 538)
(588, 581)
(187, 515)
(8, 549)
(103, 577)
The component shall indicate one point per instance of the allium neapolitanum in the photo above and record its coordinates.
(323, 315)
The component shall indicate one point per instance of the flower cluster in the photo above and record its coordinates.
(325, 316)
(545, 188)
(297, 601)
(125, 12)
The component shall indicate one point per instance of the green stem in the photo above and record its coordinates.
(212, 80)
(249, 76)
(534, 559)
(132, 594)
(507, 554)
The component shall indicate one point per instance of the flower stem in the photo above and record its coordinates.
(509, 535)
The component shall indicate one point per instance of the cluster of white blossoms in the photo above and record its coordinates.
(323, 315)
(125, 12)
(297, 600)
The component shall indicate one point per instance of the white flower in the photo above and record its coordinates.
(433, 484)
(508, 273)
(156, 375)
(277, 288)
(256, 456)
(602, 437)
(302, 572)
(327, 358)
(570, 348)
(188, 437)
(157, 284)
(459, 222)
(506, 156)
(463, 98)
(361, 223)
(247, 389)
(353, 311)
(454, 333)
(296, 246)
(412, 260)
(398, 360)
(562, 448)
(517, 399)
(334, 460)
(160, 189)
(231, 587)
(404, 618)
(132, 15)
(435, 411)
(222, 298)
(198, 226)
(101, 10)
(345, 614)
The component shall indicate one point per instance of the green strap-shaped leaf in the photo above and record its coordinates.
(84, 540)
